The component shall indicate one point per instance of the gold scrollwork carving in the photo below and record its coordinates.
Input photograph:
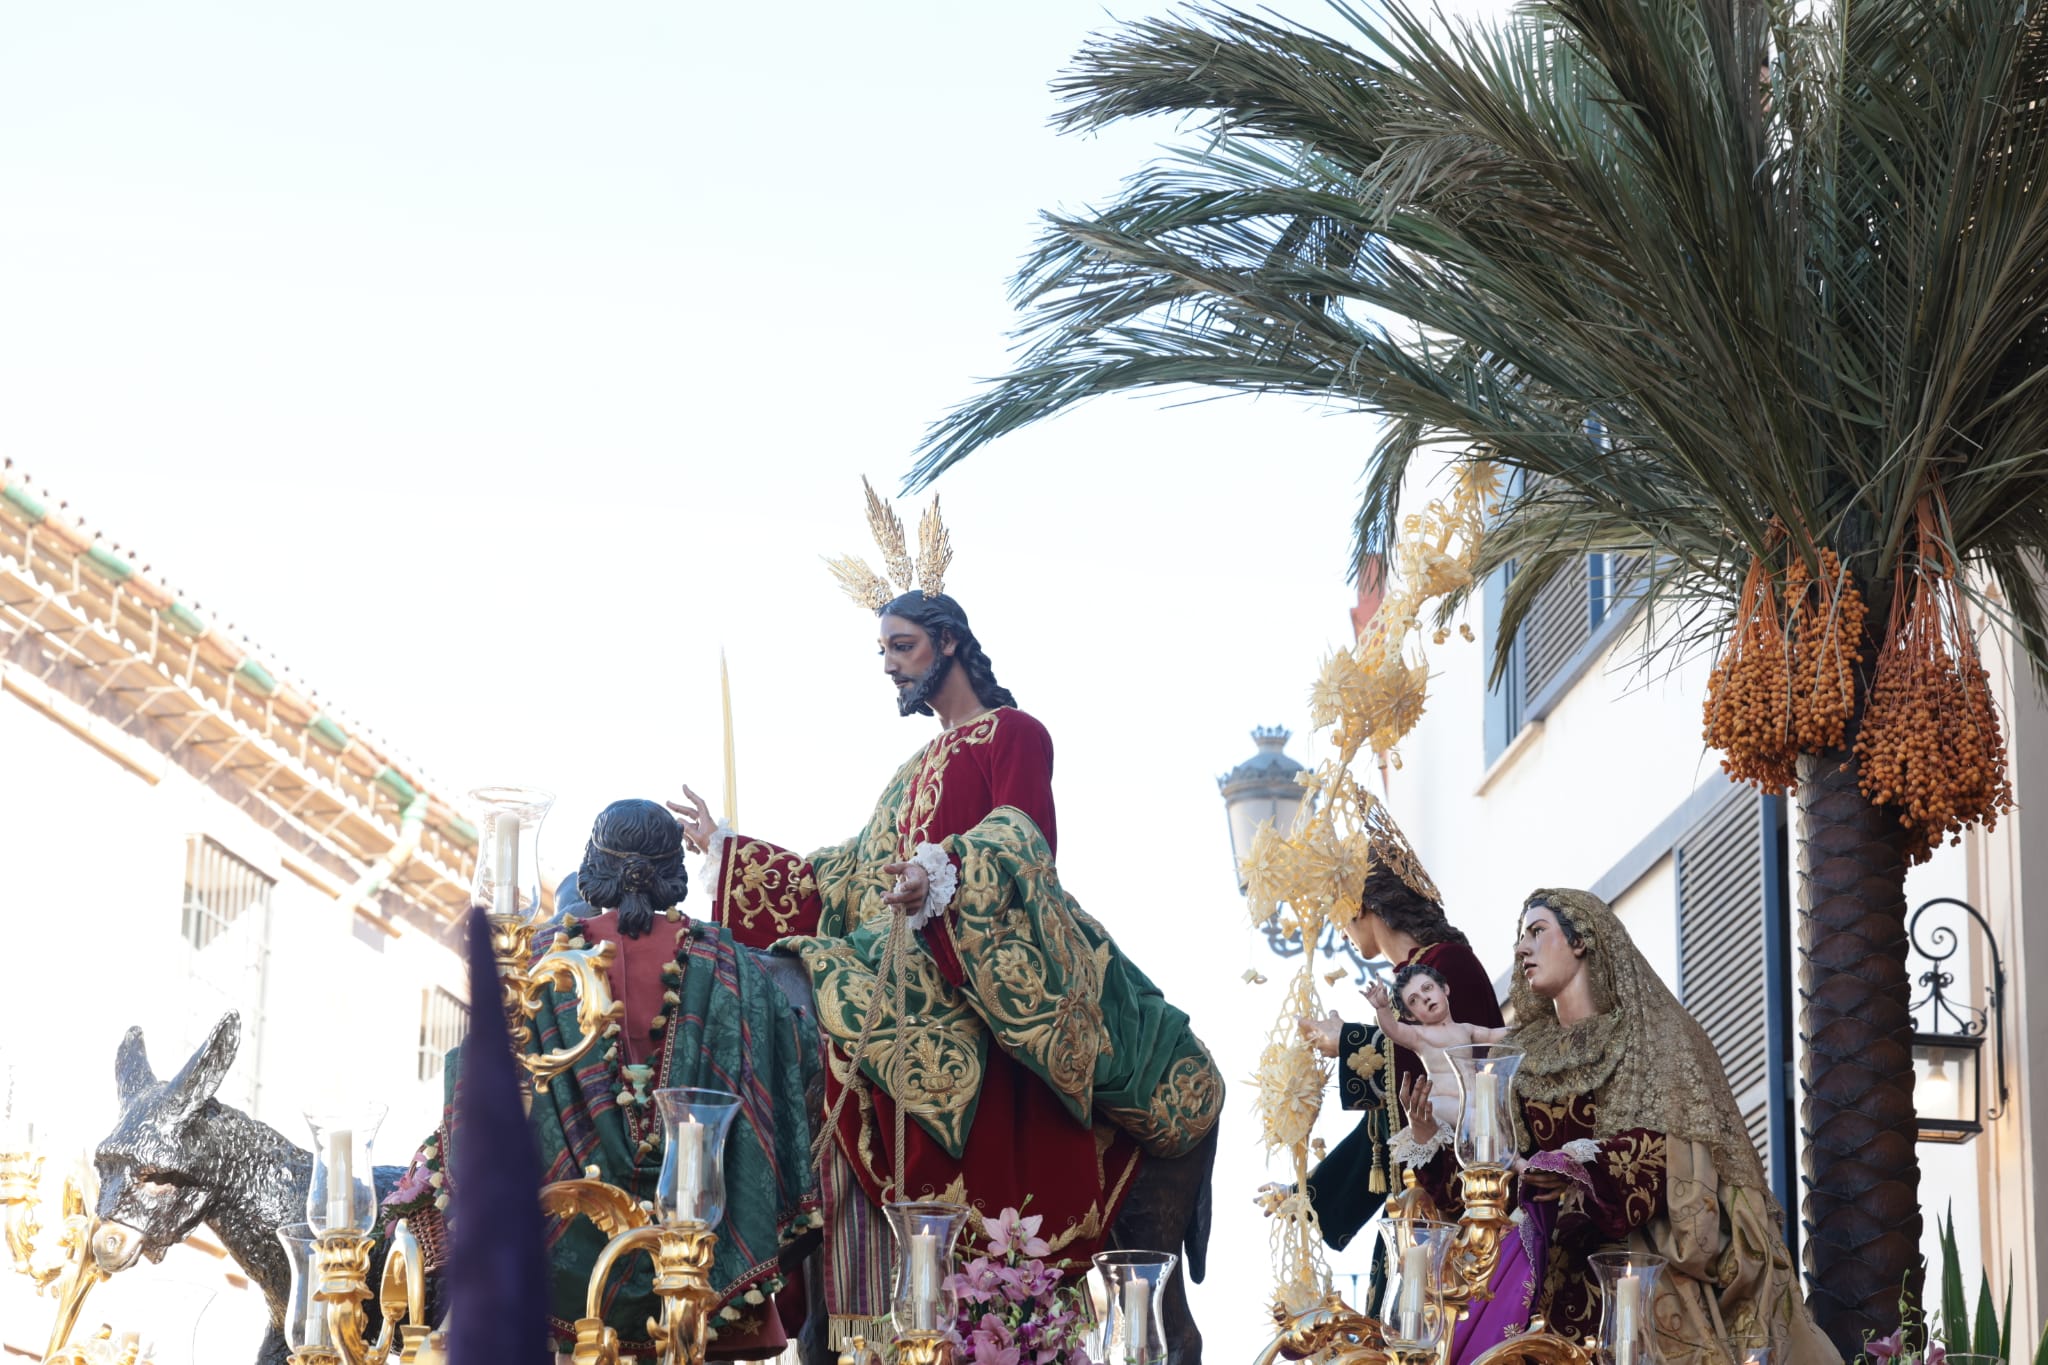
(682, 1256)
(521, 979)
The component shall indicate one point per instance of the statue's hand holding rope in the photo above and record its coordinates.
(912, 884)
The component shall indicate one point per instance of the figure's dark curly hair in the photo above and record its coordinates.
(939, 617)
(1405, 909)
(634, 864)
(1406, 977)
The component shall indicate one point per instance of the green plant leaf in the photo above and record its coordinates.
(2005, 1318)
(1986, 1342)
(1955, 1309)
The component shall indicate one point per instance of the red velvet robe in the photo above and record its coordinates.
(1023, 1143)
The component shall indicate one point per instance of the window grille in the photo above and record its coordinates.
(443, 1020)
(225, 922)
(219, 889)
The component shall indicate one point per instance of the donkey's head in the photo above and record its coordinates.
(162, 1167)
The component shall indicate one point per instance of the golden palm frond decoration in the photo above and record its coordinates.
(934, 551)
(888, 529)
(859, 580)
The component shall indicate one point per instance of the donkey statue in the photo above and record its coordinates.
(178, 1157)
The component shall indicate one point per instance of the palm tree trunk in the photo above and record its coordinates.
(1862, 1174)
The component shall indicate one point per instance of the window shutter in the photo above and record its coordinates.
(1722, 973)
(1558, 625)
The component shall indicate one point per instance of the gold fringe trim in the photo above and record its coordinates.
(877, 1331)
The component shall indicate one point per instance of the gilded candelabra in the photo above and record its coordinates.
(333, 1326)
(70, 1277)
(1457, 1267)
(682, 1255)
(675, 1231)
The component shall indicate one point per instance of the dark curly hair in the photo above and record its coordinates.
(939, 617)
(634, 864)
(1572, 938)
(1406, 977)
(1405, 909)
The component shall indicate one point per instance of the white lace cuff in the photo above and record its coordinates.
(942, 880)
(1585, 1151)
(713, 864)
(1404, 1150)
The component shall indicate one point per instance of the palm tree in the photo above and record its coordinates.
(1726, 283)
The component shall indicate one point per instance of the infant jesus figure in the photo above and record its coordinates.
(1422, 1023)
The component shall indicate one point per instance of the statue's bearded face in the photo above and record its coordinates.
(914, 664)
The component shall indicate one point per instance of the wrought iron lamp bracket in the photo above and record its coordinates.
(1936, 1012)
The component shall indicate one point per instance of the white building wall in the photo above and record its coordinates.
(92, 868)
(1618, 754)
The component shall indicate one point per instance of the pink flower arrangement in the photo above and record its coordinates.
(1896, 1349)
(1013, 1310)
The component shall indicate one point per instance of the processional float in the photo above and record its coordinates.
(326, 1319)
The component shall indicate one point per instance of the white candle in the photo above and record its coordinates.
(1485, 1132)
(1137, 1317)
(924, 1281)
(1414, 1279)
(505, 865)
(1627, 1303)
(690, 1169)
(316, 1321)
(341, 1185)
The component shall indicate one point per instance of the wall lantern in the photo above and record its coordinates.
(1949, 1033)
(1262, 788)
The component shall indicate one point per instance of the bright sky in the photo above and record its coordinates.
(493, 365)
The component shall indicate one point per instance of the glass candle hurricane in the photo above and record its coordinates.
(1628, 1285)
(1412, 1309)
(342, 1195)
(507, 879)
(305, 1317)
(1486, 1122)
(691, 1187)
(1133, 1329)
(925, 1300)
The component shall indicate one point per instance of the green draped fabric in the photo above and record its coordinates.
(731, 1030)
(1043, 981)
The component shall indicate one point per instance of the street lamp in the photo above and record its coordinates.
(1262, 788)
(1949, 1035)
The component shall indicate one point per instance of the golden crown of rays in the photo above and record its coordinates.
(927, 574)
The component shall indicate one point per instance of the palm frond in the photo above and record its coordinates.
(1695, 270)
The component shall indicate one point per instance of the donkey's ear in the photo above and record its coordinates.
(132, 1075)
(202, 1075)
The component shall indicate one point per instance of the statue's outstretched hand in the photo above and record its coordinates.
(1323, 1034)
(695, 819)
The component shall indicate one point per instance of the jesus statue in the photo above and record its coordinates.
(988, 1042)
